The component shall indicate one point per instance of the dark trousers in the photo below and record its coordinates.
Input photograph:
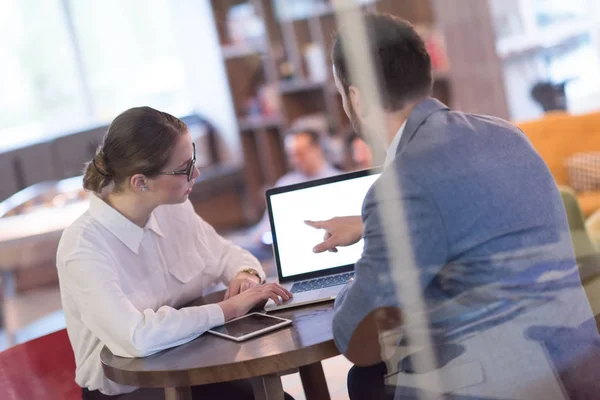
(241, 390)
(366, 383)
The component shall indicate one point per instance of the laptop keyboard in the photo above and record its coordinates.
(323, 282)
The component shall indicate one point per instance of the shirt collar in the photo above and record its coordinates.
(152, 224)
(123, 229)
(391, 151)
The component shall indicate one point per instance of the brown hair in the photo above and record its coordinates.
(402, 64)
(313, 135)
(138, 141)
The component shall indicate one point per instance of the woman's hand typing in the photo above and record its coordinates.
(242, 282)
(240, 304)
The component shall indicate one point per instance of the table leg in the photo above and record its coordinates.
(267, 387)
(178, 393)
(314, 383)
(9, 289)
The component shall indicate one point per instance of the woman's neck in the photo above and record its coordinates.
(131, 207)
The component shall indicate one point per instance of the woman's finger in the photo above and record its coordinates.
(286, 292)
(247, 285)
(272, 296)
(233, 289)
(281, 292)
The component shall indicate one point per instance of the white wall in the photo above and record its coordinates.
(209, 92)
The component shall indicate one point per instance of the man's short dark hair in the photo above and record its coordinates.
(313, 135)
(402, 64)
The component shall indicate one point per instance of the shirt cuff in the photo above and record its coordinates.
(215, 315)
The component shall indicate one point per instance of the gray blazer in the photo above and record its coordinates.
(480, 221)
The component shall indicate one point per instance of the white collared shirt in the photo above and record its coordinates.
(391, 151)
(121, 284)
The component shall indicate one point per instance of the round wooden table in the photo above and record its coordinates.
(211, 359)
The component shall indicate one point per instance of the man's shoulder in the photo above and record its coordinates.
(453, 135)
(451, 146)
(467, 122)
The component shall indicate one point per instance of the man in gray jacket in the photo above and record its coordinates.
(467, 260)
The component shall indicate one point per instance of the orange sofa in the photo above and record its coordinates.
(559, 135)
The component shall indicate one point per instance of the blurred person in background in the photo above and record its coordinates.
(485, 283)
(131, 262)
(361, 156)
(306, 157)
(307, 161)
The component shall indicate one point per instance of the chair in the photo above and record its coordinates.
(582, 243)
(558, 136)
(43, 368)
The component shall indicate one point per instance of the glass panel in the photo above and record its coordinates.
(550, 12)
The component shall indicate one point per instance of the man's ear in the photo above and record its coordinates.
(358, 103)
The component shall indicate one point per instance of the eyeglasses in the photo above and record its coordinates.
(189, 169)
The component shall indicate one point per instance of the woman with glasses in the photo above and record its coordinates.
(140, 252)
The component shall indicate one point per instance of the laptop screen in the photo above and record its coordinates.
(323, 199)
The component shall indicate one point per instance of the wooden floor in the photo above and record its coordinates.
(38, 313)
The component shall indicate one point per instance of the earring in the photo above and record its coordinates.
(144, 188)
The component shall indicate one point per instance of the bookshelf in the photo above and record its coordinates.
(277, 63)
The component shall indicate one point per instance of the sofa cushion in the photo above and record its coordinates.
(584, 171)
(558, 136)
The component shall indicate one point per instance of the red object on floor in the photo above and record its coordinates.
(43, 368)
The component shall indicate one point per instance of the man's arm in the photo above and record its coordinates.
(364, 348)
(371, 304)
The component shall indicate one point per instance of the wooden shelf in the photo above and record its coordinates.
(231, 51)
(259, 122)
(324, 11)
(255, 64)
(318, 12)
(300, 85)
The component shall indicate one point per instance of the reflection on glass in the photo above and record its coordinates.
(550, 12)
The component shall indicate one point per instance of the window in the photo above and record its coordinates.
(38, 78)
(129, 55)
(75, 63)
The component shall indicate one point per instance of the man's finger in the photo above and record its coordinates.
(328, 244)
(315, 224)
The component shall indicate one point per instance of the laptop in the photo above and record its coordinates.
(311, 277)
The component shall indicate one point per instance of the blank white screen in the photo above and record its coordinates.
(295, 239)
